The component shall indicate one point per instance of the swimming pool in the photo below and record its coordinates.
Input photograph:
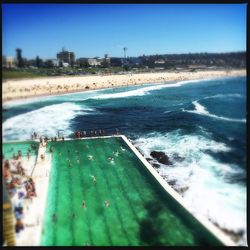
(10, 148)
(140, 211)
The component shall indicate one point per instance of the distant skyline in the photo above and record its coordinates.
(91, 30)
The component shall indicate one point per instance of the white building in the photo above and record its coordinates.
(8, 62)
(94, 62)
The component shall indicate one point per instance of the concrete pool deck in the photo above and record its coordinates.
(32, 234)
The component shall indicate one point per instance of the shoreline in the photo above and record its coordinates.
(50, 86)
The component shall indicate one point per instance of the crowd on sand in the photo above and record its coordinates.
(20, 186)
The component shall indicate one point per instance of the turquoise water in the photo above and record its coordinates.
(140, 213)
(9, 149)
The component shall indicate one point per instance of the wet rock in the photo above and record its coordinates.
(149, 159)
(155, 165)
(161, 157)
(182, 190)
(172, 182)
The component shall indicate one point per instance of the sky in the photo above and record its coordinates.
(91, 30)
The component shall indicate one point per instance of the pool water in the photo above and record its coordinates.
(140, 212)
(10, 148)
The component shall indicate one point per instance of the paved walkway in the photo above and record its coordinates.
(34, 209)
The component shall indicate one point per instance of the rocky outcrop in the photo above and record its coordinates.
(161, 157)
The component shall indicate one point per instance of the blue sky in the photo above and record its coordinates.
(95, 29)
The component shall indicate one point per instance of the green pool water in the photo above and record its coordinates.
(10, 148)
(140, 211)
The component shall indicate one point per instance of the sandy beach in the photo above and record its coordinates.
(18, 89)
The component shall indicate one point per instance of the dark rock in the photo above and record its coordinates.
(156, 165)
(161, 157)
(149, 159)
(183, 190)
(172, 182)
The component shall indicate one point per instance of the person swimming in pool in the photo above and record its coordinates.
(84, 205)
(93, 179)
(90, 157)
(54, 218)
(106, 203)
(116, 153)
(110, 158)
(72, 215)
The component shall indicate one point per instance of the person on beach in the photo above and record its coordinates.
(84, 205)
(42, 157)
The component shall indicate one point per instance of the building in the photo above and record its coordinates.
(66, 57)
(160, 61)
(94, 61)
(8, 62)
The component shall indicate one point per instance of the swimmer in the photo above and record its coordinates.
(84, 204)
(93, 179)
(72, 215)
(78, 160)
(106, 203)
(90, 157)
(116, 153)
(54, 218)
(123, 149)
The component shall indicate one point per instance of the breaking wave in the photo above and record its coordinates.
(199, 177)
(45, 121)
(201, 110)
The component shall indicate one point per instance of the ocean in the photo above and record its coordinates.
(199, 124)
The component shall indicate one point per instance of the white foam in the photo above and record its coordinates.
(145, 90)
(224, 95)
(201, 110)
(208, 193)
(45, 121)
(14, 103)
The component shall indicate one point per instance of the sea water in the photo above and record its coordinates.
(199, 125)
